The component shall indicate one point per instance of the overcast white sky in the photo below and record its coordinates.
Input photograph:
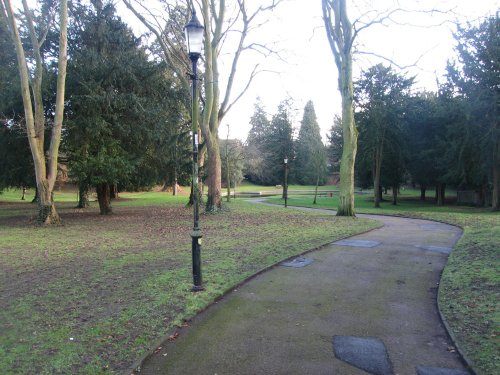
(309, 71)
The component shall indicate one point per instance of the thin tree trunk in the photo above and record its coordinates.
(83, 196)
(23, 197)
(495, 202)
(228, 184)
(214, 199)
(423, 188)
(35, 198)
(376, 181)
(227, 167)
(440, 194)
(191, 197)
(174, 188)
(482, 194)
(104, 198)
(495, 195)
(316, 191)
(394, 195)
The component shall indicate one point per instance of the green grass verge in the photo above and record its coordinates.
(92, 296)
(469, 293)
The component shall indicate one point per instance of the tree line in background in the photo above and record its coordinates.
(270, 142)
(127, 112)
(449, 138)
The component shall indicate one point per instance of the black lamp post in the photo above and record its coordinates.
(194, 38)
(286, 180)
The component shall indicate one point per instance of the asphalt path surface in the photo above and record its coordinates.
(376, 290)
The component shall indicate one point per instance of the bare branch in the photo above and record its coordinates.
(224, 109)
(179, 63)
(392, 62)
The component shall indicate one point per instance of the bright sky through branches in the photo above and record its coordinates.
(307, 70)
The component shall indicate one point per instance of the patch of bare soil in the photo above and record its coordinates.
(156, 227)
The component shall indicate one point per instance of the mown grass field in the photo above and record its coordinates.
(93, 295)
(469, 294)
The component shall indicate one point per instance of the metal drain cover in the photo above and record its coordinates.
(357, 243)
(435, 227)
(366, 353)
(439, 371)
(435, 249)
(297, 262)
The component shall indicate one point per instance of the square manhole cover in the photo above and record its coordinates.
(435, 249)
(366, 353)
(297, 262)
(435, 227)
(439, 371)
(357, 243)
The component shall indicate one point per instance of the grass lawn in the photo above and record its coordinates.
(469, 293)
(93, 295)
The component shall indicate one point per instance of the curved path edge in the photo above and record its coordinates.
(415, 339)
(449, 331)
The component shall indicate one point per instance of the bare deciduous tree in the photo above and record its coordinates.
(218, 97)
(341, 36)
(45, 161)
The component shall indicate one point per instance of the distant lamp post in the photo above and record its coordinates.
(194, 39)
(285, 188)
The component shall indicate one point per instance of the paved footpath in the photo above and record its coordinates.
(362, 306)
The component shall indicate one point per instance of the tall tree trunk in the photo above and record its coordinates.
(495, 202)
(376, 181)
(104, 198)
(346, 195)
(191, 197)
(35, 198)
(83, 195)
(395, 195)
(340, 35)
(214, 178)
(23, 196)
(495, 195)
(228, 182)
(210, 120)
(423, 188)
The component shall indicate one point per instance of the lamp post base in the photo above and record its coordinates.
(197, 288)
(196, 255)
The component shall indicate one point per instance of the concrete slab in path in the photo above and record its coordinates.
(283, 321)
